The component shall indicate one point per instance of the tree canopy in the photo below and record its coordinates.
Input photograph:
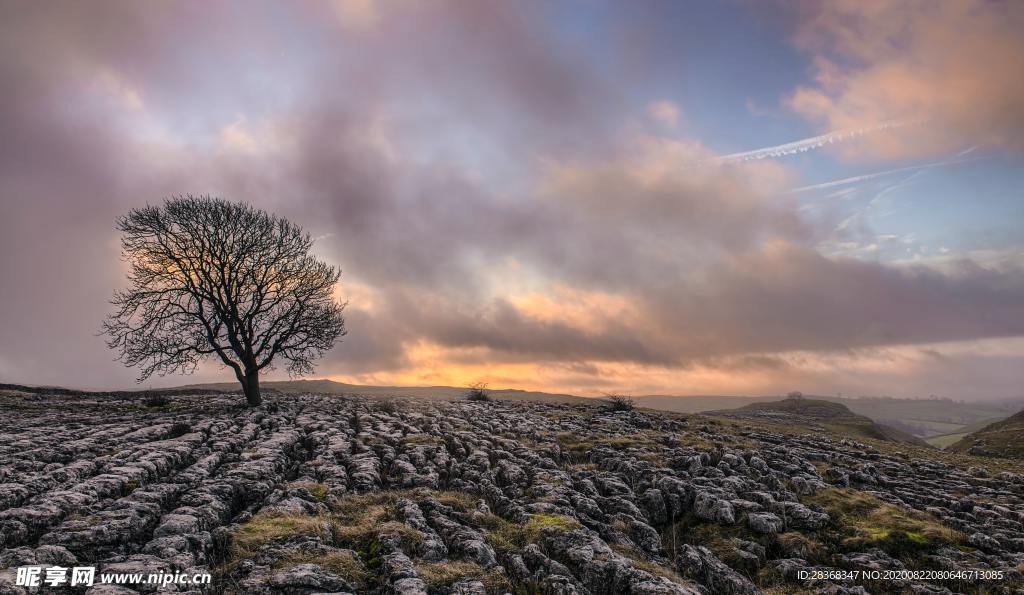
(216, 279)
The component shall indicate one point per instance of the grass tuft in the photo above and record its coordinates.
(317, 490)
(344, 563)
(267, 527)
(511, 537)
(442, 574)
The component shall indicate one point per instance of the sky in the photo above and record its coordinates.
(577, 196)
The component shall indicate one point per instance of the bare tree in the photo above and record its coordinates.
(216, 279)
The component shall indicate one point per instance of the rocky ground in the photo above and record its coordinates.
(316, 494)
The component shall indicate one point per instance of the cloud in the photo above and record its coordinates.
(472, 174)
(357, 14)
(954, 66)
(237, 137)
(664, 112)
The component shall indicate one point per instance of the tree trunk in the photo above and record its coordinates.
(251, 388)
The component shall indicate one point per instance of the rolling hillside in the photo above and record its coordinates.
(1003, 438)
(924, 418)
(834, 417)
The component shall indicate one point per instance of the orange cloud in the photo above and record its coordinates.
(943, 369)
(588, 310)
(952, 67)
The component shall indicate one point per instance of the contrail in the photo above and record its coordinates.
(889, 172)
(800, 146)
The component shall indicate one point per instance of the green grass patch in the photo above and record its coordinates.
(860, 520)
(317, 490)
(945, 440)
(511, 537)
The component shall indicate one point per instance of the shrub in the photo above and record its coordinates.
(477, 392)
(179, 429)
(156, 400)
(390, 407)
(619, 403)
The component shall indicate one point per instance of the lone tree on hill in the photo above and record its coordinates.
(216, 279)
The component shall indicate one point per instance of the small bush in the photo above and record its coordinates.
(179, 429)
(156, 400)
(390, 407)
(478, 392)
(619, 403)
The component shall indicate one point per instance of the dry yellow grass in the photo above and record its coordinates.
(266, 527)
(344, 563)
(440, 574)
(317, 490)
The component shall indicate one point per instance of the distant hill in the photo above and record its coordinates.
(925, 418)
(1003, 438)
(817, 412)
(446, 393)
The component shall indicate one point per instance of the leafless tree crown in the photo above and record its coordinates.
(212, 278)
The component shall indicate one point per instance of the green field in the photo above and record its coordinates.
(945, 440)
